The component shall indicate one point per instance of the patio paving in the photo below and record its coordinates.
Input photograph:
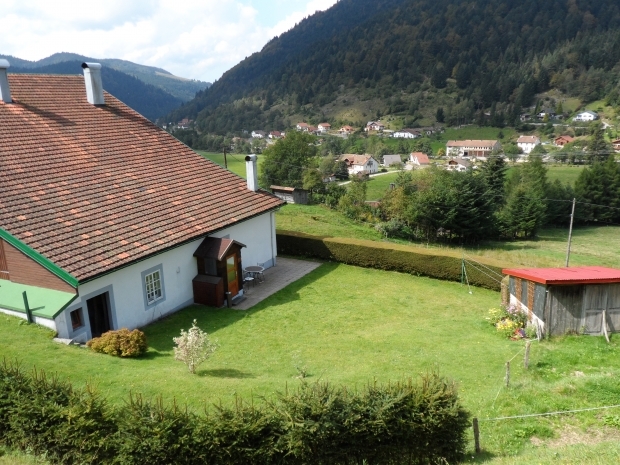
(286, 271)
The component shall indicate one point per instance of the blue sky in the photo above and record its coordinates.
(198, 39)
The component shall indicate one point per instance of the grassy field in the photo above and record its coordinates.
(590, 245)
(378, 185)
(350, 326)
(236, 161)
(566, 174)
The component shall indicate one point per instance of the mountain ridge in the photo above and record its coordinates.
(480, 55)
(181, 88)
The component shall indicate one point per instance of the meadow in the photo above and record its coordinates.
(592, 245)
(352, 326)
(235, 161)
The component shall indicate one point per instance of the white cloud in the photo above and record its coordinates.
(193, 38)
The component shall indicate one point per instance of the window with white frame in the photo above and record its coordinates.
(152, 282)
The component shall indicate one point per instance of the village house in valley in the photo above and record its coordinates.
(106, 220)
(389, 160)
(527, 143)
(471, 148)
(360, 164)
(418, 160)
(561, 141)
(374, 126)
(407, 134)
(586, 116)
(346, 130)
(324, 127)
(458, 164)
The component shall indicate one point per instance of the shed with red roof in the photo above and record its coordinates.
(577, 300)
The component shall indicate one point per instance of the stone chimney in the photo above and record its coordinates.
(5, 91)
(94, 86)
(251, 171)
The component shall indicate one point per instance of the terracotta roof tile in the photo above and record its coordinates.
(93, 188)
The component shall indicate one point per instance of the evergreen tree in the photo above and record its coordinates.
(598, 148)
(493, 174)
(439, 116)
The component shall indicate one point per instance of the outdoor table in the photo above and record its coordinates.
(254, 270)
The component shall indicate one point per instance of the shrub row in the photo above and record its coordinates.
(387, 256)
(404, 422)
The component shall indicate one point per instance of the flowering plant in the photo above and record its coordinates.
(193, 347)
(508, 320)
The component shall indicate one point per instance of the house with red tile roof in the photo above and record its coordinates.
(106, 220)
(360, 164)
(346, 129)
(561, 141)
(419, 159)
(527, 143)
(324, 127)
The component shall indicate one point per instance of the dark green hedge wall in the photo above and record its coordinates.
(405, 422)
(386, 256)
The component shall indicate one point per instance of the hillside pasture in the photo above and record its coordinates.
(592, 245)
(236, 161)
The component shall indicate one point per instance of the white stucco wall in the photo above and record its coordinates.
(125, 287)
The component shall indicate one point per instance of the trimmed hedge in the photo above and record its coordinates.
(386, 256)
(416, 423)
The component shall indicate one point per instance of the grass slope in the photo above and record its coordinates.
(351, 325)
(236, 161)
(590, 245)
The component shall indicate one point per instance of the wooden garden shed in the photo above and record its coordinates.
(219, 270)
(291, 194)
(578, 300)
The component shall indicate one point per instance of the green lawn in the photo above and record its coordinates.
(565, 173)
(236, 161)
(379, 184)
(350, 326)
(590, 245)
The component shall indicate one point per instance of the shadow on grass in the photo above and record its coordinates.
(225, 373)
(160, 333)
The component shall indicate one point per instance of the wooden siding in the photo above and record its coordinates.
(4, 268)
(564, 310)
(540, 294)
(23, 270)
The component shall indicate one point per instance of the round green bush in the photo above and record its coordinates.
(120, 343)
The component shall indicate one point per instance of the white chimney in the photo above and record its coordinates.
(94, 86)
(251, 172)
(5, 91)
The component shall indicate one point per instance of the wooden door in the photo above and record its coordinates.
(99, 314)
(595, 301)
(232, 275)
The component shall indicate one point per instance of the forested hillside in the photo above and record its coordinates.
(480, 54)
(146, 99)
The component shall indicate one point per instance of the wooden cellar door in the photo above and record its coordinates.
(232, 275)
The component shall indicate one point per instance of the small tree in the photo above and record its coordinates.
(193, 347)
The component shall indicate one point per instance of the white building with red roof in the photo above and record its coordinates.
(565, 300)
(106, 220)
(360, 164)
(527, 143)
(471, 148)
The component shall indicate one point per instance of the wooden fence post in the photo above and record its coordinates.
(507, 374)
(476, 436)
(526, 359)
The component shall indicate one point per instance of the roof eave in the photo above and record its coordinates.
(178, 244)
(38, 258)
